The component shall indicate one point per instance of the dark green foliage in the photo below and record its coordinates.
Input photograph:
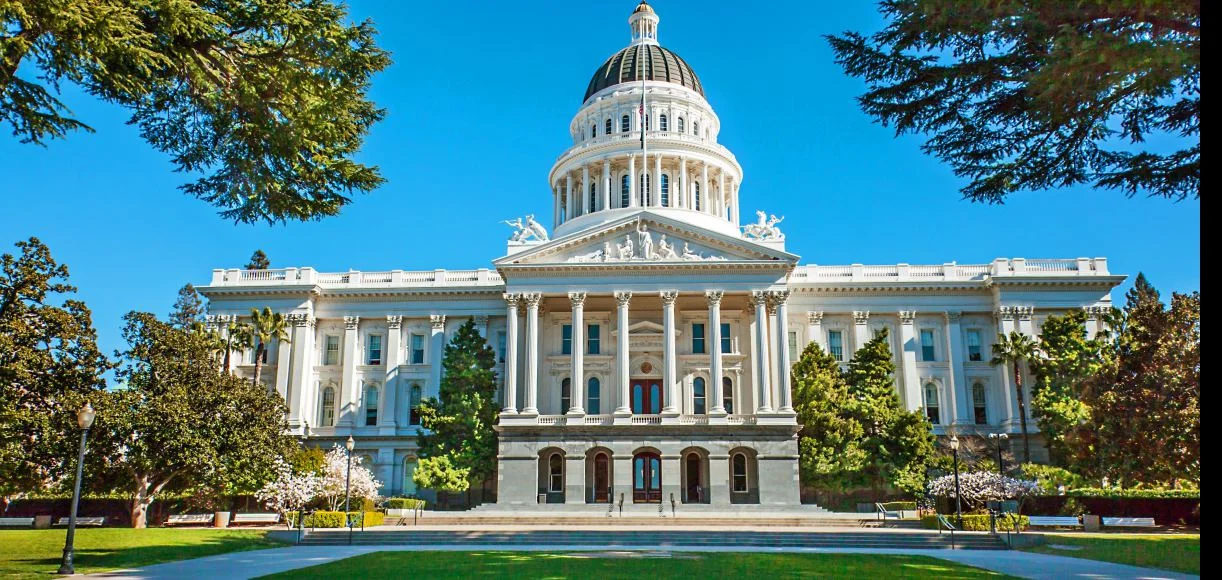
(307, 460)
(461, 446)
(1039, 94)
(264, 100)
(329, 519)
(189, 308)
(1113, 493)
(1013, 350)
(977, 522)
(828, 449)
(405, 503)
(258, 261)
(1067, 360)
(49, 366)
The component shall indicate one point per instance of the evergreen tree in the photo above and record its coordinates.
(898, 444)
(265, 101)
(828, 444)
(1025, 94)
(1068, 360)
(460, 422)
(258, 261)
(189, 308)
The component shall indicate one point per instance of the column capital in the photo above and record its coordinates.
(577, 298)
(1004, 313)
(907, 316)
(299, 319)
(758, 297)
(1024, 312)
(1096, 312)
(394, 321)
(351, 322)
(623, 298)
(511, 299)
(777, 297)
(532, 299)
(861, 316)
(669, 297)
(814, 317)
(438, 321)
(954, 316)
(714, 297)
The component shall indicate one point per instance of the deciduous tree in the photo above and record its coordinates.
(336, 478)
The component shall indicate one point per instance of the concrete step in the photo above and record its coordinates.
(439, 519)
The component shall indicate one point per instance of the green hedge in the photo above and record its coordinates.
(404, 503)
(327, 519)
(900, 506)
(975, 522)
(1135, 493)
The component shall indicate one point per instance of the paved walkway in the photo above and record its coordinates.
(242, 565)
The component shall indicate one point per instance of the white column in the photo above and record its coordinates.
(555, 205)
(669, 380)
(774, 362)
(785, 397)
(511, 355)
(960, 393)
(908, 357)
(394, 357)
(683, 186)
(720, 207)
(577, 406)
(1005, 325)
(584, 198)
(715, 372)
(814, 328)
(656, 185)
(302, 367)
(621, 352)
(531, 405)
(606, 194)
(704, 188)
(437, 343)
(568, 192)
(348, 378)
(759, 300)
(632, 181)
(734, 210)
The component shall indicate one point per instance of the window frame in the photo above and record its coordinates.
(836, 347)
(664, 189)
(727, 341)
(625, 191)
(566, 339)
(566, 395)
(593, 195)
(370, 341)
(699, 338)
(663, 122)
(371, 406)
(700, 399)
(929, 352)
(980, 406)
(978, 356)
(593, 396)
(501, 345)
(738, 461)
(594, 339)
(326, 417)
(555, 472)
(609, 127)
(327, 359)
(415, 396)
(727, 394)
(625, 123)
(413, 339)
(933, 407)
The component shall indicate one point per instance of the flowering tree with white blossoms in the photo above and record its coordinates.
(979, 487)
(334, 476)
(289, 491)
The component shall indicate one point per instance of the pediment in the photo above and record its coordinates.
(645, 238)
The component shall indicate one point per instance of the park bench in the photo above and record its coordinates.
(16, 522)
(884, 513)
(1129, 522)
(1054, 521)
(189, 519)
(80, 521)
(255, 518)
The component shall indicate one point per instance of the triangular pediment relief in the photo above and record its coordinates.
(644, 238)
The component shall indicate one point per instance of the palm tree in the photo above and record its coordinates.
(266, 326)
(237, 333)
(1013, 350)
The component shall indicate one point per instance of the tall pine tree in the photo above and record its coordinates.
(898, 444)
(829, 442)
(189, 308)
(460, 445)
(258, 261)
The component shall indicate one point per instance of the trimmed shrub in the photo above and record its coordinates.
(328, 519)
(1135, 493)
(976, 522)
(373, 519)
(404, 503)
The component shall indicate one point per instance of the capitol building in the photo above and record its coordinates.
(644, 342)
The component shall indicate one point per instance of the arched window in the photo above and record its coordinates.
(696, 128)
(328, 408)
(371, 404)
(648, 122)
(979, 404)
(625, 124)
(414, 397)
(699, 406)
(607, 126)
(645, 190)
(555, 471)
(593, 396)
(566, 395)
(624, 192)
(664, 189)
(593, 197)
(409, 472)
(681, 128)
(696, 188)
(727, 394)
(931, 403)
(662, 124)
(738, 473)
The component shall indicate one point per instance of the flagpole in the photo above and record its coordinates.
(645, 193)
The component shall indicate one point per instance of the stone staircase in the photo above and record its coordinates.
(657, 539)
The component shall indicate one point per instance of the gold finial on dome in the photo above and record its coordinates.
(643, 7)
(644, 23)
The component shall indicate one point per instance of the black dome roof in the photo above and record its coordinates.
(660, 65)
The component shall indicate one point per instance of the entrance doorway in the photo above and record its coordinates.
(695, 485)
(646, 396)
(646, 478)
(602, 479)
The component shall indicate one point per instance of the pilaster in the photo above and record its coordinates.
(390, 389)
(908, 354)
(437, 343)
(348, 381)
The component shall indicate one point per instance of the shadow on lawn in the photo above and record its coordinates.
(91, 558)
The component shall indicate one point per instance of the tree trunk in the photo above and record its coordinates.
(140, 503)
(228, 350)
(259, 362)
(1022, 413)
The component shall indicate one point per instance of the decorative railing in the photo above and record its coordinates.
(646, 419)
(693, 419)
(740, 419)
(950, 272)
(391, 278)
(597, 420)
(553, 420)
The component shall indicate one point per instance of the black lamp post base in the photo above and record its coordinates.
(65, 567)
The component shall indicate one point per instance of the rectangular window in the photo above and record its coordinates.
(698, 338)
(566, 339)
(725, 338)
(373, 350)
(594, 339)
(974, 353)
(979, 404)
(927, 350)
(793, 346)
(330, 353)
(835, 344)
(500, 346)
(417, 349)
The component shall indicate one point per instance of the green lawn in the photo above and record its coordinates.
(37, 553)
(1179, 552)
(635, 565)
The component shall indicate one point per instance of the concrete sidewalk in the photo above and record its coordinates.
(243, 565)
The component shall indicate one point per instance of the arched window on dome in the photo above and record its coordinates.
(607, 127)
(593, 197)
(664, 189)
(593, 130)
(625, 124)
(696, 128)
(645, 190)
(681, 127)
(663, 125)
(624, 188)
(696, 189)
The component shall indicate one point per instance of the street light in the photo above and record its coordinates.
(954, 448)
(998, 439)
(349, 444)
(84, 419)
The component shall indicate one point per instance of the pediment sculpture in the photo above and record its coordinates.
(643, 249)
(527, 230)
(765, 228)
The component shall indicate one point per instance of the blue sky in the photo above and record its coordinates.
(479, 100)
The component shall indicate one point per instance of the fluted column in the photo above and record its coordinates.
(570, 212)
(908, 358)
(348, 381)
(437, 346)
(632, 181)
(960, 394)
(511, 355)
(584, 198)
(577, 380)
(606, 193)
(621, 352)
(531, 405)
(656, 185)
(734, 210)
(714, 298)
(759, 301)
(555, 205)
(390, 387)
(670, 382)
(774, 366)
(683, 185)
(785, 395)
(704, 187)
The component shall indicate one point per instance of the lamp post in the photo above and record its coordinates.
(84, 419)
(998, 439)
(954, 449)
(349, 444)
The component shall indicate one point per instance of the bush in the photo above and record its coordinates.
(404, 503)
(1135, 493)
(976, 522)
(1051, 478)
(328, 519)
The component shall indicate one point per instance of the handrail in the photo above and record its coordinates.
(672, 505)
(942, 521)
(882, 512)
